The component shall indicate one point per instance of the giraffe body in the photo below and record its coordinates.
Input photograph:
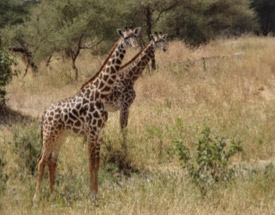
(82, 114)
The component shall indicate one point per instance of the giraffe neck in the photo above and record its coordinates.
(106, 77)
(133, 69)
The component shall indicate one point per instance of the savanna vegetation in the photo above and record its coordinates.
(201, 130)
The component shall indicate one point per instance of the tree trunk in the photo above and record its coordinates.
(27, 56)
(75, 68)
(74, 55)
(148, 14)
(48, 60)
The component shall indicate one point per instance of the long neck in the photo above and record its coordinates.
(133, 69)
(105, 79)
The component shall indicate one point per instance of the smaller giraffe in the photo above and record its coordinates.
(82, 114)
(123, 93)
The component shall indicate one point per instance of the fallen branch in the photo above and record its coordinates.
(238, 54)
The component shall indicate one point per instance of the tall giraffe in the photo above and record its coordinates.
(123, 93)
(83, 114)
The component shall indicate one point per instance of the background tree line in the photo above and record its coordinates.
(39, 29)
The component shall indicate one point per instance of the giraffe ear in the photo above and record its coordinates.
(164, 36)
(136, 31)
(120, 32)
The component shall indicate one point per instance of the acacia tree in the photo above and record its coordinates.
(199, 21)
(12, 12)
(147, 13)
(81, 25)
(63, 27)
(265, 10)
(6, 73)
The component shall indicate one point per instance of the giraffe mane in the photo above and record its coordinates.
(103, 65)
(136, 56)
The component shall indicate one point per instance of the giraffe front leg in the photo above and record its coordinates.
(94, 148)
(124, 113)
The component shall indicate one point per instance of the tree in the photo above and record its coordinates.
(199, 21)
(64, 27)
(265, 10)
(12, 12)
(6, 73)
(147, 13)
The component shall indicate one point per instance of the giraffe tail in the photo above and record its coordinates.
(41, 133)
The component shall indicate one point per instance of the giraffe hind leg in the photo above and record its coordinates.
(48, 157)
(41, 168)
(52, 163)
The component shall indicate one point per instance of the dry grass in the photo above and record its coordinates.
(235, 96)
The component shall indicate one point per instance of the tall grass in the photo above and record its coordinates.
(233, 95)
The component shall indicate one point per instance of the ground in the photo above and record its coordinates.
(227, 85)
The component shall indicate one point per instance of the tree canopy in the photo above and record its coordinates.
(39, 29)
(63, 27)
(265, 10)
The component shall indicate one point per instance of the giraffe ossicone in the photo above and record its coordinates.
(82, 114)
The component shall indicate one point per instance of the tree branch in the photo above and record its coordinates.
(165, 10)
(92, 46)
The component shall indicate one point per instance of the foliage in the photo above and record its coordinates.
(26, 144)
(13, 12)
(145, 13)
(6, 73)
(266, 15)
(209, 165)
(63, 27)
(199, 21)
(67, 27)
(3, 175)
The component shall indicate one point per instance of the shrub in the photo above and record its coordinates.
(209, 165)
(6, 73)
(156, 132)
(3, 176)
(26, 144)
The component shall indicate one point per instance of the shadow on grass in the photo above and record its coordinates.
(9, 117)
(117, 160)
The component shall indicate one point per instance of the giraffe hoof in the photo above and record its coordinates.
(93, 198)
(35, 198)
(35, 201)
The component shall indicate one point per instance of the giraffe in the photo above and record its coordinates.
(123, 93)
(82, 114)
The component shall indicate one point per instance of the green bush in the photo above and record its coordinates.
(26, 143)
(209, 165)
(6, 73)
(3, 176)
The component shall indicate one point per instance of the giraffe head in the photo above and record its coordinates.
(159, 40)
(129, 36)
